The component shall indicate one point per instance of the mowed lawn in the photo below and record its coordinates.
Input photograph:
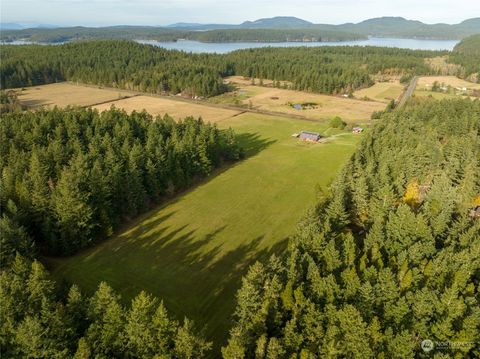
(192, 251)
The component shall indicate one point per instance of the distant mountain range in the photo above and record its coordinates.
(382, 27)
(15, 26)
(275, 29)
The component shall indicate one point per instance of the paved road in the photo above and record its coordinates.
(409, 91)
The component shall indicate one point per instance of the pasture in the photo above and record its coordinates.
(426, 82)
(64, 94)
(280, 101)
(381, 91)
(448, 87)
(178, 109)
(193, 250)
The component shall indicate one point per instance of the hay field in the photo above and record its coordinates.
(277, 100)
(65, 94)
(176, 109)
(426, 82)
(450, 87)
(381, 91)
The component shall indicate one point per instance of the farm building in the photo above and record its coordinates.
(309, 136)
(357, 130)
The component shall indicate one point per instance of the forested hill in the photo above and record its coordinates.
(400, 27)
(279, 29)
(467, 54)
(469, 46)
(388, 26)
(129, 65)
(389, 258)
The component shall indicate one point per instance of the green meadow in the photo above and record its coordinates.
(192, 251)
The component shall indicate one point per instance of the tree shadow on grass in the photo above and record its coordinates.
(193, 274)
(253, 143)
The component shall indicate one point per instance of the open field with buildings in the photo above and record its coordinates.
(182, 250)
(444, 87)
(426, 82)
(322, 107)
(193, 250)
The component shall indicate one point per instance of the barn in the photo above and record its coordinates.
(309, 136)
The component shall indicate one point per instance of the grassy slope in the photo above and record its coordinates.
(193, 251)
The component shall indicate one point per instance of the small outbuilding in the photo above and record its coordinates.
(357, 130)
(309, 136)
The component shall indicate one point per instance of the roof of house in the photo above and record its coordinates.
(309, 133)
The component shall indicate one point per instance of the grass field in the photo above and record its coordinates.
(450, 87)
(193, 250)
(435, 95)
(381, 91)
(277, 100)
(176, 109)
(64, 94)
(426, 82)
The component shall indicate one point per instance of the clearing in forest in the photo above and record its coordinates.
(381, 91)
(444, 87)
(176, 108)
(323, 107)
(193, 250)
(65, 94)
(426, 82)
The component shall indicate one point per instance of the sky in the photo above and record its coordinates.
(164, 12)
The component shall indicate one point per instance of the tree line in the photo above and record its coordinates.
(134, 66)
(272, 35)
(326, 69)
(60, 35)
(38, 322)
(72, 176)
(389, 257)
